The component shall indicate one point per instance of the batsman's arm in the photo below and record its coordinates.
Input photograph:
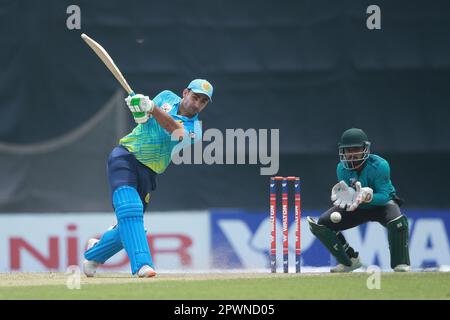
(175, 128)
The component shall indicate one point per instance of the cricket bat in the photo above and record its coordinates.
(108, 61)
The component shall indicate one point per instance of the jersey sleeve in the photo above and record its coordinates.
(382, 183)
(196, 134)
(162, 97)
(339, 172)
(192, 134)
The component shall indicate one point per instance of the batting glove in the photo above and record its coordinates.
(140, 107)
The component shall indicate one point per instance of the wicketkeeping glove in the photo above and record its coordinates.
(342, 195)
(361, 195)
(140, 106)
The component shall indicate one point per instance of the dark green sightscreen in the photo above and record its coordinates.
(309, 68)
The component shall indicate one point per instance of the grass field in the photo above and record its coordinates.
(414, 285)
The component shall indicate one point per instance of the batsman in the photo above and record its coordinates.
(364, 193)
(164, 124)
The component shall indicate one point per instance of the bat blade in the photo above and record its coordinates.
(108, 61)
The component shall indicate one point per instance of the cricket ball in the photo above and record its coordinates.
(335, 217)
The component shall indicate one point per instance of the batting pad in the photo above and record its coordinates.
(330, 240)
(130, 215)
(398, 237)
(109, 244)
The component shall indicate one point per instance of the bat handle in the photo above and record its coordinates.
(132, 93)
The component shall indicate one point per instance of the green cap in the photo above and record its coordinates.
(353, 137)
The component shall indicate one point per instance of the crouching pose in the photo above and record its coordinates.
(364, 193)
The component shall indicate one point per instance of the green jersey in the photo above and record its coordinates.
(376, 175)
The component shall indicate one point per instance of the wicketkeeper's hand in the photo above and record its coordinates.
(140, 106)
(342, 195)
(361, 195)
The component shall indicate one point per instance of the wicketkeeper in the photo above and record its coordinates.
(364, 193)
(166, 122)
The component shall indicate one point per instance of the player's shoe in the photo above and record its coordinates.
(146, 272)
(341, 268)
(90, 267)
(402, 268)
